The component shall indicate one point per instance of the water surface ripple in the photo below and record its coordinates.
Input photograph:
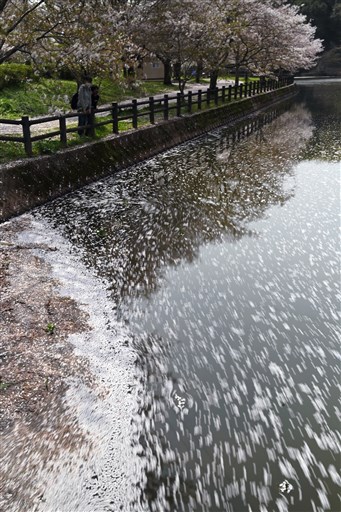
(221, 257)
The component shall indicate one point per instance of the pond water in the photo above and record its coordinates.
(220, 257)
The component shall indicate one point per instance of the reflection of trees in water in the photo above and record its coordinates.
(161, 212)
(324, 103)
(238, 185)
(321, 97)
(325, 143)
(290, 133)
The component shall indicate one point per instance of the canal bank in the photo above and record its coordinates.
(30, 182)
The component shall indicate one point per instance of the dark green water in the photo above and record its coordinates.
(222, 260)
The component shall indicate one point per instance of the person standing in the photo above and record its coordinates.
(84, 105)
(94, 101)
(94, 96)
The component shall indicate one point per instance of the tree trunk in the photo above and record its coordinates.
(237, 75)
(177, 71)
(182, 84)
(167, 74)
(198, 71)
(213, 78)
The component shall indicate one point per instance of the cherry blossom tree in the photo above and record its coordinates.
(149, 23)
(293, 42)
(95, 36)
(15, 17)
(180, 34)
(83, 36)
(88, 40)
(219, 31)
(272, 36)
(264, 36)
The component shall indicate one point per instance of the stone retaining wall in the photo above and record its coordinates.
(33, 181)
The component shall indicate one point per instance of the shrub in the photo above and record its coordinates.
(15, 73)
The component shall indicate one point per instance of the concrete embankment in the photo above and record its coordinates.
(29, 182)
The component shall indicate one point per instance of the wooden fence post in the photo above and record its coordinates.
(241, 91)
(230, 93)
(223, 93)
(245, 89)
(216, 95)
(235, 92)
(199, 99)
(92, 124)
(189, 108)
(250, 89)
(114, 112)
(165, 107)
(134, 104)
(62, 128)
(208, 96)
(25, 121)
(178, 104)
(151, 110)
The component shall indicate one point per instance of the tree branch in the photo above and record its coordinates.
(23, 16)
(3, 4)
(5, 56)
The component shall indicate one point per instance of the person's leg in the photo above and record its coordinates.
(89, 131)
(81, 123)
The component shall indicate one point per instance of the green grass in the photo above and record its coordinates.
(15, 150)
(49, 96)
(11, 151)
(35, 98)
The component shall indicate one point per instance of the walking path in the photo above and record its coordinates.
(8, 129)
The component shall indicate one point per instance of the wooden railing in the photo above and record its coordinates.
(176, 104)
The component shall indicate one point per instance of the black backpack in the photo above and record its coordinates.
(74, 101)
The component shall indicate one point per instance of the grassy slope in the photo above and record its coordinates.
(49, 96)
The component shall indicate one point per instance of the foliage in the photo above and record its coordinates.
(330, 63)
(46, 96)
(50, 328)
(12, 73)
(5, 385)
